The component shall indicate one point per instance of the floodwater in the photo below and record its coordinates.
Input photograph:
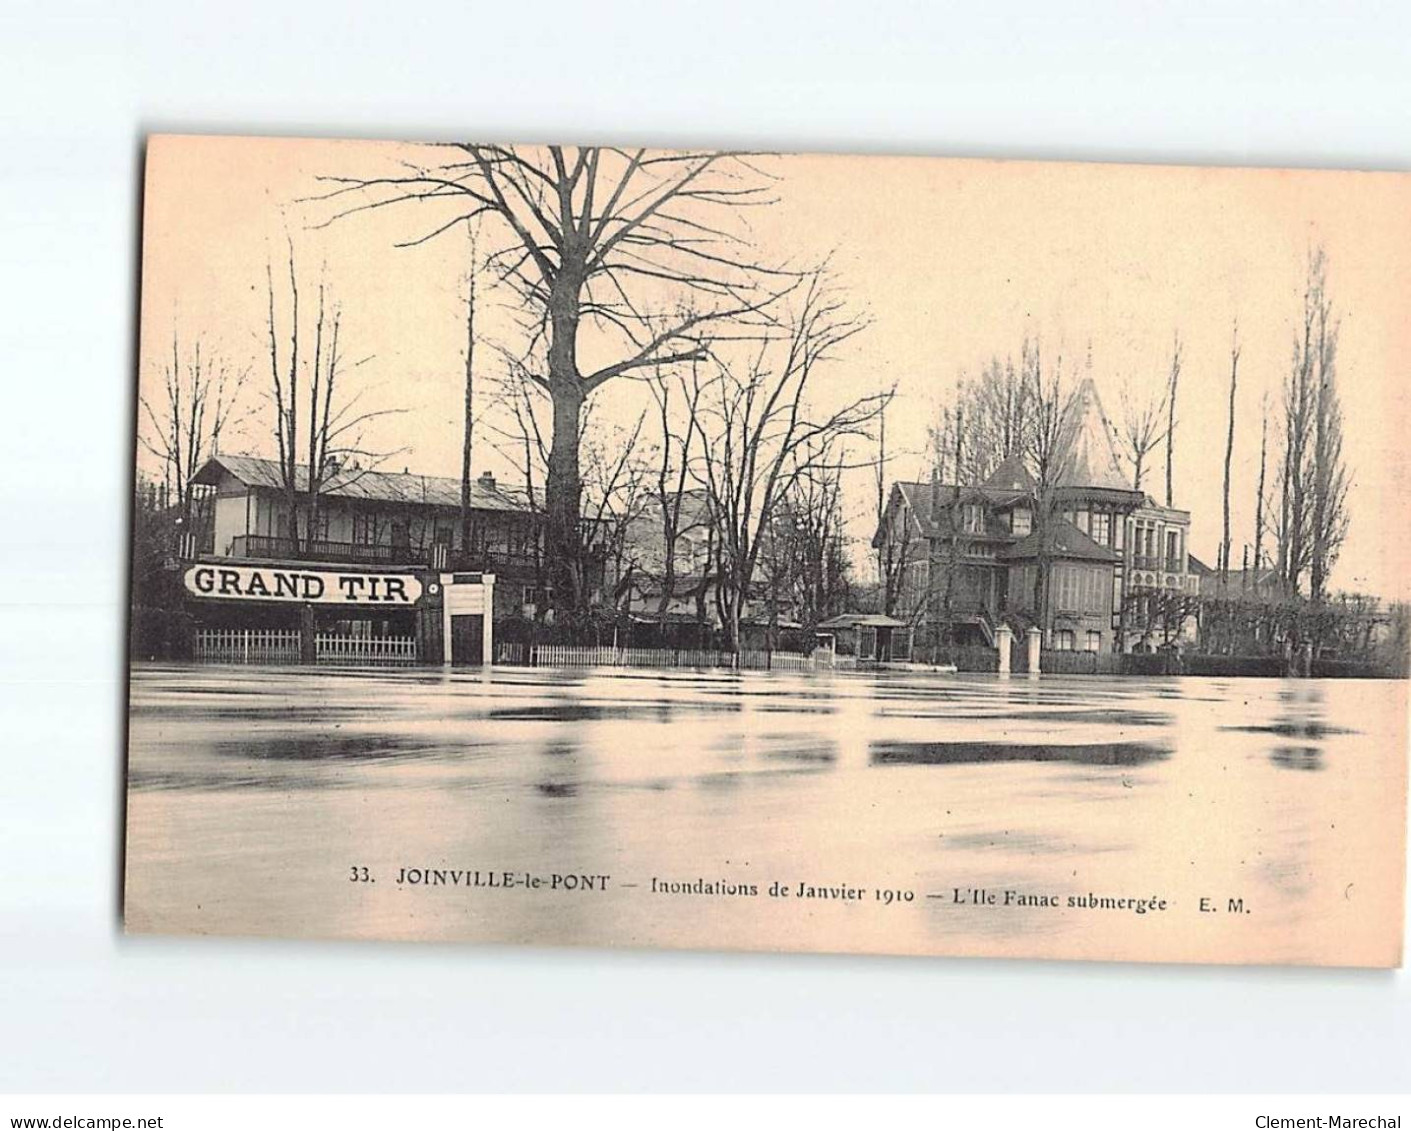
(1174, 820)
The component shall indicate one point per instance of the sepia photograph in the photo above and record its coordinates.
(726, 549)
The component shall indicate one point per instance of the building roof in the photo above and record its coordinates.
(862, 620)
(1011, 475)
(370, 485)
(1086, 442)
(1061, 539)
(917, 497)
(1265, 578)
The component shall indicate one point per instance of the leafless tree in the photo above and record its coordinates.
(468, 418)
(997, 408)
(312, 409)
(183, 419)
(1145, 423)
(516, 432)
(1313, 518)
(1330, 479)
(808, 532)
(677, 394)
(764, 430)
(590, 237)
(1173, 381)
(1229, 454)
(614, 497)
(1048, 399)
(895, 543)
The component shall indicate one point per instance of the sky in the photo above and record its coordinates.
(953, 262)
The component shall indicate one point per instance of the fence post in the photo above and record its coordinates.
(246, 652)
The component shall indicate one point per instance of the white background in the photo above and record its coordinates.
(82, 1008)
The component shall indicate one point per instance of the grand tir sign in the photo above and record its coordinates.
(262, 583)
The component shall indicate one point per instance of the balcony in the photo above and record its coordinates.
(438, 556)
(261, 546)
(1157, 564)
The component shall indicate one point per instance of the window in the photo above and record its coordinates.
(1063, 640)
(364, 529)
(1094, 641)
(1101, 532)
(535, 596)
(1173, 550)
(445, 534)
(973, 518)
(1021, 521)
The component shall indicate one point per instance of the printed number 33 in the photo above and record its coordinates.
(359, 875)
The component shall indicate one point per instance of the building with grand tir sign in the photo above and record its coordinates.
(382, 573)
(967, 557)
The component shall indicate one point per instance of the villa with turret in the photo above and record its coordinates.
(1088, 559)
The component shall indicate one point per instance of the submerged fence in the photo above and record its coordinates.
(606, 656)
(330, 649)
(281, 646)
(245, 646)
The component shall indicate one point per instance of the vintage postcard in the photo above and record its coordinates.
(631, 547)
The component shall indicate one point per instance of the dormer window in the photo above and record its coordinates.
(1021, 520)
(973, 518)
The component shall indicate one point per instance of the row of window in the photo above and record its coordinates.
(972, 520)
(1066, 640)
(1078, 589)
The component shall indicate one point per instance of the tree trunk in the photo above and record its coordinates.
(1229, 455)
(563, 490)
(469, 420)
(1259, 500)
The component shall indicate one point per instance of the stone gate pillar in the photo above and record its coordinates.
(1035, 644)
(1004, 641)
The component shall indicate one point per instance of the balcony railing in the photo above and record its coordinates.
(363, 553)
(263, 546)
(1157, 563)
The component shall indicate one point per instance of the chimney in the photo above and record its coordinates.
(486, 480)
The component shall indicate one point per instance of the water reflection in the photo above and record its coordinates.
(253, 791)
(951, 753)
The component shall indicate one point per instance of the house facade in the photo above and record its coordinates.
(960, 559)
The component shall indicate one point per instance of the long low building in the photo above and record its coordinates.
(375, 568)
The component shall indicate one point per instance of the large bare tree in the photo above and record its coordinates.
(593, 241)
(766, 429)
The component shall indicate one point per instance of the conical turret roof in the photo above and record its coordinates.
(1087, 451)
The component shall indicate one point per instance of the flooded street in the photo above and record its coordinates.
(909, 813)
